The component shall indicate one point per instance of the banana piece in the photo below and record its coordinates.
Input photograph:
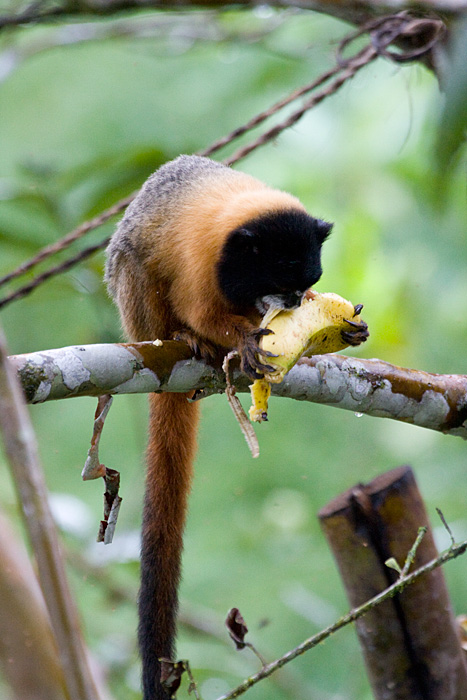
(323, 323)
(260, 393)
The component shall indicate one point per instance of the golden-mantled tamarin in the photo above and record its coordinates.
(201, 254)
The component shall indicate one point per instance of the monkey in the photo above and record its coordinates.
(201, 254)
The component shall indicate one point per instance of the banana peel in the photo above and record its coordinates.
(323, 323)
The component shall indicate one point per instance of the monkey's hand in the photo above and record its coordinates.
(356, 331)
(323, 323)
(253, 356)
(202, 348)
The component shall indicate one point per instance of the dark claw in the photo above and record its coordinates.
(201, 348)
(250, 371)
(357, 336)
(266, 353)
(352, 339)
(254, 368)
(353, 323)
(357, 309)
(262, 331)
(252, 355)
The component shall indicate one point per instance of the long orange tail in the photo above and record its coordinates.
(172, 442)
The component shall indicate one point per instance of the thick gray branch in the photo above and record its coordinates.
(373, 387)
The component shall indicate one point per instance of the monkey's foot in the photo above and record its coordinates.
(203, 349)
(356, 334)
(252, 355)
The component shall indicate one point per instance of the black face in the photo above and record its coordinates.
(272, 260)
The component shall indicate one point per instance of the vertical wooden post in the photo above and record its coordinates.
(410, 643)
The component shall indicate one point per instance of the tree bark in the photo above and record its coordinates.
(372, 387)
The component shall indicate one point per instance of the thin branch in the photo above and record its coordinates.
(403, 29)
(364, 57)
(453, 552)
(372, 387)
(70, 238)
(194, 618)
(242, 419)
(443, 520)
(31, 16)
(413, 550)
(354, 12)
(183, 27)
(88, 226)
(266, 114)
(21, 450)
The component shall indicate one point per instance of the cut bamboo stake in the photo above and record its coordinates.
(21, 451)
(410, 642)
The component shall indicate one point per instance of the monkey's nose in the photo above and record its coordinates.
(292, 300)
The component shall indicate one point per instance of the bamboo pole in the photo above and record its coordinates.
(22, 455)
(410, 643)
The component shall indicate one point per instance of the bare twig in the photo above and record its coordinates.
(349, 70)
(263, 116)
(53, 271)
(21, 450)
(70, 238)
(237, 408)
(413, 550)
(193, 687)
(383, 32)
(112, 503)
(93, 469)
(443, 520)
(353, 12)
(453, 552)
(185, 28)
(97, 221)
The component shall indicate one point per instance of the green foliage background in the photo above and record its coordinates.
(82, 125)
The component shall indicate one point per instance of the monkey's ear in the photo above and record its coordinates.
(323, 229)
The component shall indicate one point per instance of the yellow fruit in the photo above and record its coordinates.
(260, 393)
(323, 323)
